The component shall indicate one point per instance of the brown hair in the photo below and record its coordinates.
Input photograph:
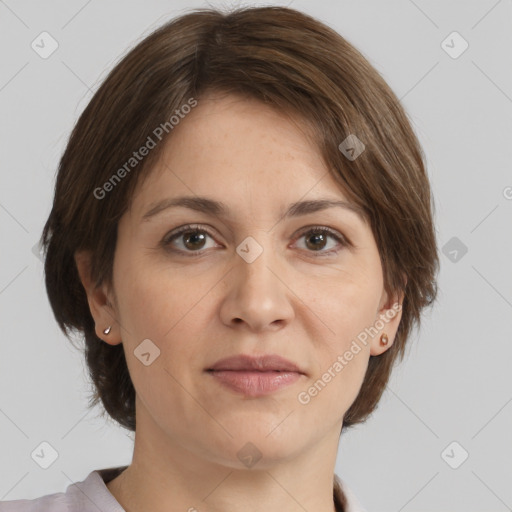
(291, 62)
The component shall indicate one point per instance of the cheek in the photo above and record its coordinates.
(344, 309)
(167, 311)
(339, 370)
(153, 301)
(171, 310)
(344, 305)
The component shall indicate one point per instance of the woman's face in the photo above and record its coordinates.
(251, 279)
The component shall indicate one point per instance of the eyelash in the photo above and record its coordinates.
(195, 228)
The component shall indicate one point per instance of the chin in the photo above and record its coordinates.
(255, 448)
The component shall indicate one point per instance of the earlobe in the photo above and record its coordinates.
(387, 324)
(109, 336)
(380, 344)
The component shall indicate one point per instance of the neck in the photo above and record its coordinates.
(166, 476)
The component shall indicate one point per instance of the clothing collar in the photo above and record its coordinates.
(344, 498)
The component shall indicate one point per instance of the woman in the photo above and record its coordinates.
(242, 230)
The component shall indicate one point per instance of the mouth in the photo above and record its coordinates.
(265, 363)
(255, 383)
(255, 376)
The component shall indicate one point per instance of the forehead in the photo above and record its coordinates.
(241, 150)
(238, 132)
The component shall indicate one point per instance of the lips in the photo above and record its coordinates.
(261, 363)
(255, 376)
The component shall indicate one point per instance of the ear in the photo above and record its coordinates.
(100, 301)
(388, 317)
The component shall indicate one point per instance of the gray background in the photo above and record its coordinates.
(455, 384)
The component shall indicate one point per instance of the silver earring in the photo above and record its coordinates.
(107, 330)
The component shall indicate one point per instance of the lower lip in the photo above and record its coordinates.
(255, 383)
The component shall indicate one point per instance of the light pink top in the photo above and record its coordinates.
(92, 495)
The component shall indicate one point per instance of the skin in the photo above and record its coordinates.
(294, 300)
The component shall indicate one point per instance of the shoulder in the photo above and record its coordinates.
(86, 496)
(345, 497)
(57, 502)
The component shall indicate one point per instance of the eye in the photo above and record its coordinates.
(191, 238)
(316, 239)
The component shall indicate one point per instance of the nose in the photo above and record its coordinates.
(258, 297)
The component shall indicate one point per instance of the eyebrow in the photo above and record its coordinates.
(219, 209)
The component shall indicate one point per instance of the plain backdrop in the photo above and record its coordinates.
(441, 438)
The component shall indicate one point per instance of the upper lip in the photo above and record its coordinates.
(261, 363)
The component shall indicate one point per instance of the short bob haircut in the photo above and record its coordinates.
(291, 62)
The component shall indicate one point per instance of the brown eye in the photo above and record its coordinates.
(188, 239)
(193, 239)
(317, 239)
